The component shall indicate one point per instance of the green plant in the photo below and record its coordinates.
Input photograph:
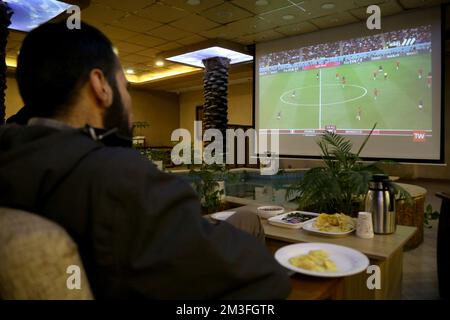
(156, 155)
(429, 215)
(206, 183)
(341, 184)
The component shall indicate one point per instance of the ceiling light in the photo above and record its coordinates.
(193, 2)
(288, 17)
(32, 13)
(130, 71)
(195, 58)
(328, 6)
(159, 63)
(261, 3)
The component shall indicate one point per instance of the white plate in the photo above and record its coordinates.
(265, 214)
(279, 222)
(222, 216)
(309, 226)
(347, 260)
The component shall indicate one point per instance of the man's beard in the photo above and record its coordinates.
(116, 116)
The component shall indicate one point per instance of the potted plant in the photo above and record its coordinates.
(341, 184)
(209, 183)
(159, 157)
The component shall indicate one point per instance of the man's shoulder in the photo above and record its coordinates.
(122, 159)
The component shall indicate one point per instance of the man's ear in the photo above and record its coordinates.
(100, 87)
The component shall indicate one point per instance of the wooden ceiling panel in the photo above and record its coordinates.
(162, 13)
(334, 20)
(146, 40)
(97, 14)
(296, 28)
(151, 52)
(271, 5)
(251, 25)
(191, 39)
(168, 46)
(137, 24)
(116, 33)
(225, 13)
(127, 48)
(223, 32)
(285, 16)
(260, 37)
(129, 6)
(169, 33)
(135, 58)
(182, 4)
(194, 23)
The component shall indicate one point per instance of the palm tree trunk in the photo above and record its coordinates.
(5, 21)
(215, 109)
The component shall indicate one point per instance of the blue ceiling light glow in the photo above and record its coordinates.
(195, 58)
(29, 14)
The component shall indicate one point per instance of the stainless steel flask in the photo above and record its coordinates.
(380, 202)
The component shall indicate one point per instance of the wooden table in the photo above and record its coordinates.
(385, 251)
(412, 214)
(313, 288)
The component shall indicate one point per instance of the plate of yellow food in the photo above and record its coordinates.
(334, 225)
(322, 259)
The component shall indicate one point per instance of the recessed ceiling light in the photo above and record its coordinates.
(159, 63)
(334, 20)
(328, 6)
(129, 71)
(261, 3)
(288, 17)
(193, 2)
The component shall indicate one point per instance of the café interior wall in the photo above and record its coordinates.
(159, 109)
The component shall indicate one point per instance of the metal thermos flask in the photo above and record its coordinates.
(380, 202)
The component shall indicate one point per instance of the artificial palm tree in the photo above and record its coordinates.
(5, 21)
(215, 108)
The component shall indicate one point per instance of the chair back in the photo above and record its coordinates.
(39, 260)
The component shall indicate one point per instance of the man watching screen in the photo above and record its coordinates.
(139, 231)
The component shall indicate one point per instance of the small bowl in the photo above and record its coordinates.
(267, 212)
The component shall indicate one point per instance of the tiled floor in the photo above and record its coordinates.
(419, 265)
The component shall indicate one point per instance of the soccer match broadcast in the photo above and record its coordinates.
(350, 85)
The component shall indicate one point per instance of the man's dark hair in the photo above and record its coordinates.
(55, 62)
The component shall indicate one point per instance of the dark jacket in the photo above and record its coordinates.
(139, 231)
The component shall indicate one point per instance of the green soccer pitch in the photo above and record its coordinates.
(315, 98)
